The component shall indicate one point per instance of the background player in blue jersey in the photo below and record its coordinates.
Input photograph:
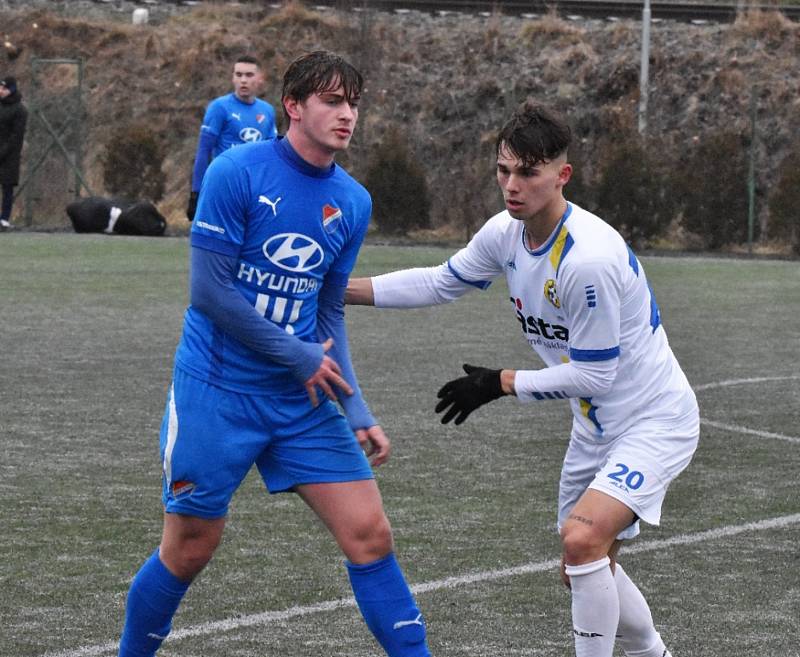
(584, 305)
(231, 120)
(262, 355)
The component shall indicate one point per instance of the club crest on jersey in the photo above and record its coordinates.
(331, 217)
(260, 118)
(550, 292)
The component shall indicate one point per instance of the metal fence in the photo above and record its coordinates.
(54, 142)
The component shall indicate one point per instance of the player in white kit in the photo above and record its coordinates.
(584, 305)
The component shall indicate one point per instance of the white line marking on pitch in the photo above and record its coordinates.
(738, 382)
(752, 432)
(451, 582)
(435, 585)
(741, 429)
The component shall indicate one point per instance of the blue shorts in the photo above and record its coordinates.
(210, 438)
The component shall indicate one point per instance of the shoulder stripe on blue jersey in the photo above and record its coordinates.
(481, 285)
(590, 355)
(214, 244)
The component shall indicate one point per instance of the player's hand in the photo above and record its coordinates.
(375, 444)
(460, 397)
(191, 208)
(328, 375)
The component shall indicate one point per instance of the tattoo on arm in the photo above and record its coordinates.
(585, 521)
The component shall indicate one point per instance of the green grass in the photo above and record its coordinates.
(88, 327)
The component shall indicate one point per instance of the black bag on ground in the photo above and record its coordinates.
(96, 214)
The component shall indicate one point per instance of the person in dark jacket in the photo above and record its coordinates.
(13, 118)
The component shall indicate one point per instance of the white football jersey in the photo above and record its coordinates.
(583, 296)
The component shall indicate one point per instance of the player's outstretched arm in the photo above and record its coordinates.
(359, 292)
(331, 324)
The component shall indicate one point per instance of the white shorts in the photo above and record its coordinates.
(636, 468)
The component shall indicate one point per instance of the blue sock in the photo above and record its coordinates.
(388, 607)
(153, 599)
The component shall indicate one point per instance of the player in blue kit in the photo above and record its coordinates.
(232, 120)
(263, 354)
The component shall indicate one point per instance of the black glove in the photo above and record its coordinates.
(460, 397)
(192, 207)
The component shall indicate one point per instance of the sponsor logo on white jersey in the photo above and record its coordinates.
(532, 325)
(293, 252)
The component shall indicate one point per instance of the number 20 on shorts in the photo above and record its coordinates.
(633, 479)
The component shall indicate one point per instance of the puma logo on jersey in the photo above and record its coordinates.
(416, 621)
(236, 116)
(270, 203)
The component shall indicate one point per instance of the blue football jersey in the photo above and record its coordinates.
(292, 226)
(234, 122)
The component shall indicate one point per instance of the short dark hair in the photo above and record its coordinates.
(534, 134)
(320, 71)
(247, 59)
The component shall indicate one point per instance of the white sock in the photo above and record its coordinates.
(636, 633)
(595, 608)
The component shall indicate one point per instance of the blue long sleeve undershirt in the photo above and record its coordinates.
(331, 324)
(202, 158)
(212, 292)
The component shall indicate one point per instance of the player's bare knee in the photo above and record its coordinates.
(581, 545)
(369, 540)
(187, 561)
(187, 554)
(378, 540)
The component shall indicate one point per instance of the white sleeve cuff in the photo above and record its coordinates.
(572, 379)
(416, 288)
